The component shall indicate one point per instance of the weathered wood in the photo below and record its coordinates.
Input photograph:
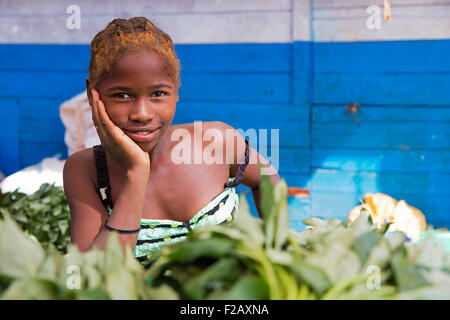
(398, 28)
(253, 112)
(389, 135)
(32, 153)
(382, 56)
(387, 182)
(10, 148)
(58, 7)
(382, 160)
(379, 114)
(193, 28)
(254, 88)
(382, 88)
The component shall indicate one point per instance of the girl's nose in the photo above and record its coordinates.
(141, 111)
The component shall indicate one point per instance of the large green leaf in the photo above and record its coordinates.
(281, 214)
(192, 250)
(275, 212)
(338, 262)
(440, 292)
(407, 275)
(221, 272)
(120, 284)
(163, 292)
(267, 207)
(247, 288)
(365, 243)
(91, 294)
(52, 265)
(19, 255)
(314, 277)
(114, 255)
(31, 289)
(249, 225)
(430, 253)
(362, 224)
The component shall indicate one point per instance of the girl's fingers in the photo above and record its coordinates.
(103, 116)
(104, 123)
(95, 119)
(107, 125)
(95, 114)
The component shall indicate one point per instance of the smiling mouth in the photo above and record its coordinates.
(142, 136)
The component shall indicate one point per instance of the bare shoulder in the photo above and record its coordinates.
(86, 209)
(202, 125)
(80, 164)
(217, 132)
(232, 139)
(220, 125)
(207, 127)
(211, 129)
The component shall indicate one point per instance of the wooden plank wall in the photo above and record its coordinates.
(398, 141)
(43, 63)
(34, 80)
(266, 65)
(187, 21)
(241, 71)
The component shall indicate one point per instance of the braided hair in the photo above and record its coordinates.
(121, 36)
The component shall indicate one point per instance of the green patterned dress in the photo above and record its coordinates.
(155, 233)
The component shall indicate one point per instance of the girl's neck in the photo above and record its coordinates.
(161, 147)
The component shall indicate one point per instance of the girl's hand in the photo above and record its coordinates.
(115, 141)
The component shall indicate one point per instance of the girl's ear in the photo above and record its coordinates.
(88, 90)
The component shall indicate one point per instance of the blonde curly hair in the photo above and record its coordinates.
(121, 36)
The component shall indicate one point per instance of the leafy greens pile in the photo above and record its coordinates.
(27, 271)
(44, 214)
(264, 259)
(248, 259)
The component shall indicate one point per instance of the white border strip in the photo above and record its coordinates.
(228, 21)
(190, 21)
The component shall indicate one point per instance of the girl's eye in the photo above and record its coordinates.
(160, 94)
(122, 95)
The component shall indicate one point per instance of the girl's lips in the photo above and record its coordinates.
(142, 137)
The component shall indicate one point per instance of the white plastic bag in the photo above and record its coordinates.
(29, 179)
(77, 118)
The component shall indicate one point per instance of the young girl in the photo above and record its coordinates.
(131, 183)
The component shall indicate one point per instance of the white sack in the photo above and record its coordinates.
(29, 179)
(77, 118)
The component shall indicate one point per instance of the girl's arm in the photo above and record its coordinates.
(87, 212)
(86, 209)
(252, 174)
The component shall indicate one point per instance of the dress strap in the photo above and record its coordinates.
(104, 187)
(241, 168)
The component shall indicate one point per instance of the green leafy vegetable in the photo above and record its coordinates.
(44, 214)
(332, 260)
(248, 259)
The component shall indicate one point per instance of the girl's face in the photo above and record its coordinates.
(140, 95)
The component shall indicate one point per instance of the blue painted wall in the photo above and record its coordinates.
(397, 142)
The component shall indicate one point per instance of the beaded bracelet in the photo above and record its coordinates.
(120, 230)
